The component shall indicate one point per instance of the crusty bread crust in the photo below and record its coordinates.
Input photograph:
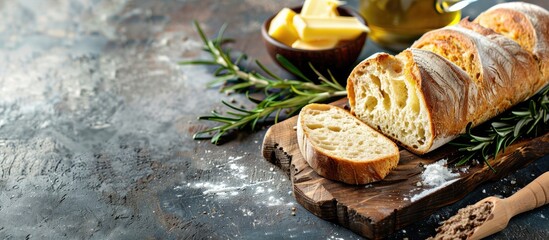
(341, 169)
(503, 73)
(525, 23)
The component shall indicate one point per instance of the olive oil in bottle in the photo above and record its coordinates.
(395, 24)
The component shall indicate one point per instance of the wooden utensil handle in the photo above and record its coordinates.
(534, 195)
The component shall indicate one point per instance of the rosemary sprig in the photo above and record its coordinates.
(528, 119)
(283, 97)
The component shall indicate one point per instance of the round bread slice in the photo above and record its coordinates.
(340, 147)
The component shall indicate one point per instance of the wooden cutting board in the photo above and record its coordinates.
(378, 209)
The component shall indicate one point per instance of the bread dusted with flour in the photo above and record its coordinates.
(502, 72)
(487, 57)
(426, 95)
(525, 23)
(340, 147)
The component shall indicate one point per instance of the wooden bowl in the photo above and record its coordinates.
(340, 60)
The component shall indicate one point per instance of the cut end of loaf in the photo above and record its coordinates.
(338, 146)
(384, 94)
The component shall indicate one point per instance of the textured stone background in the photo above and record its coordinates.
(96, 119)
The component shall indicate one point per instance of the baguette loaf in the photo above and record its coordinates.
(340, 147)
(525, 23)
(425, 96)
(490, 60)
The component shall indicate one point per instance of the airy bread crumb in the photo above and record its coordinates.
(338, 146)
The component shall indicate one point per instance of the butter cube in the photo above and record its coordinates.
(320, 8)
(282, 28)
(340, 28)
(315, 45)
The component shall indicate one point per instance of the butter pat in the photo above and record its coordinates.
(320, 8)
(315, 45)
(340, 28)
(282, 28)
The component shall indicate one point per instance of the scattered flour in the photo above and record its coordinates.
(259, 190)
(222, 189)
(429, 191)
(436, 175)
(239, 183)
(232, 159)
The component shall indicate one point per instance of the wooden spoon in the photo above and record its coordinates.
(534, 195)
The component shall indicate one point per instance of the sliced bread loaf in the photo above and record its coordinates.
(423, 101)
(340, 147)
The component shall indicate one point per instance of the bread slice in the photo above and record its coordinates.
(340, 147)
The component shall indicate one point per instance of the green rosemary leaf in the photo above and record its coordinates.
(226, 58)
(197, 62)
(290, 67)
(520, 113)
(520, 124)
(200, 133)
(535, 124)
(199, 136)
(218, 119)
(485, 150)
(254, 122)
(532, 108)
(500, 124)
(253, 100)
(333, 84)
(238, 86)
(297, 91)
(318, 98)
(222, 71)
(220, 80)
(502, 129)
(266, 70)
(239, 115)
(476, 147)
(499, 145)
(216, 137)
(236, 108)
(465, 159)
(219, 40)
(489, 165)
(480, 138)
(200, 32)
(240, 58)
(277, 114)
